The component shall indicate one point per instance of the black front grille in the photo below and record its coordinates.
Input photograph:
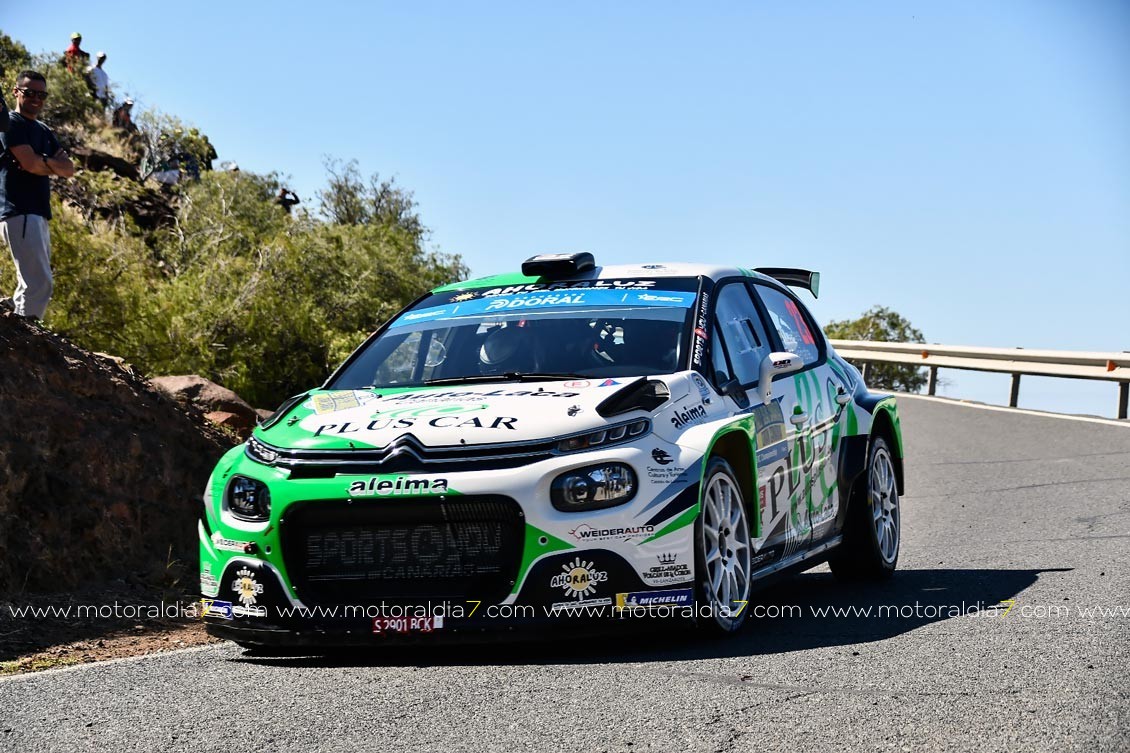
(410, 550)
(406, 454)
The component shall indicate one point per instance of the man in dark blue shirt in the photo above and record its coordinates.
(30, 155)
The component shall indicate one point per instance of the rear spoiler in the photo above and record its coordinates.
(794, 278)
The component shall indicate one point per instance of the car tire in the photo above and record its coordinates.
(722, 552)
(872, 531)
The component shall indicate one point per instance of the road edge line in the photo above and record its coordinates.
(1005, 409)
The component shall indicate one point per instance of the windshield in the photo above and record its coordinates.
(488, 335)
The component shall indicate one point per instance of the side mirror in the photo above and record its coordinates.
(773, 366)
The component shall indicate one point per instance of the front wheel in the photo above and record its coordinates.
(872, 533)
(722, 551)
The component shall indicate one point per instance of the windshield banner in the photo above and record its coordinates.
(556, 299)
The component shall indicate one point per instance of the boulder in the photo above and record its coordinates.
(219, 404)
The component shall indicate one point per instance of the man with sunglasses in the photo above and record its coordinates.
(31, 155)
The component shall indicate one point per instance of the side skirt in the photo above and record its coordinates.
(797, 563)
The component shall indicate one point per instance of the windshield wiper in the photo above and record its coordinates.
(508, 376)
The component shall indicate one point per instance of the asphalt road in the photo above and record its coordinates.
(999, 506)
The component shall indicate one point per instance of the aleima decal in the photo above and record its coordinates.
(681, 418)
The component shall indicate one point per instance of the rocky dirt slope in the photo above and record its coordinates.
(100, 474)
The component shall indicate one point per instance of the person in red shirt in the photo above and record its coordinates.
(76, 53)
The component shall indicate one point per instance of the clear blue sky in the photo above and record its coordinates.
(965, 163)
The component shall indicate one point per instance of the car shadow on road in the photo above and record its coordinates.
(809, 611)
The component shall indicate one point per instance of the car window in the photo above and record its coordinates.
(741, 332)
(471, 335)
(791, 324)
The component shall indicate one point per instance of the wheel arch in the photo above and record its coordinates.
(885, 423)
(734, 445)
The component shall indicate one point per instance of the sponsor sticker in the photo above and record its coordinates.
(578, 579)
(216, 608)
(572, 285)
(246, 587)
(758, 559)
(688, 416)
(666, 474)
(418, 315)
(209, 586)
(578, 608)
(444, 396)
(522, 298)
(331, 402)
(228, 545)
(700, 333)
(609, 383)
(585, 532)
(682, 597)
(578, 384)
(703, 389)
(405, 422)
(668, 570)
(396, 486)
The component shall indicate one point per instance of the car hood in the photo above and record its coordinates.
(452, 415)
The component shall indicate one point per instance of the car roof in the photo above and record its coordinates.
(649, 271)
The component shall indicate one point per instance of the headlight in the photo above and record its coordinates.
(593, 488)
(248, 499)
(610, 436)
(260, 452)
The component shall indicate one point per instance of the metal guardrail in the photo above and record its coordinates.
(1111, 367)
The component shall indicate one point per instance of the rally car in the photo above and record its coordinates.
(571, 442)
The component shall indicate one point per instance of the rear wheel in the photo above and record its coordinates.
(722, 551)
(873, 529)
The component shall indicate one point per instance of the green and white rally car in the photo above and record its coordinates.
(574, 442)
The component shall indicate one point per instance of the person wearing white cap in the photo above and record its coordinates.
(99, 81)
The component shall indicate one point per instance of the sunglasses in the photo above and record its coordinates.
(33, 94)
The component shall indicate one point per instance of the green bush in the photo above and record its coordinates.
(881, 324)
(234, 289)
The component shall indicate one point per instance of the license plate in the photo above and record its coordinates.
(401, 625)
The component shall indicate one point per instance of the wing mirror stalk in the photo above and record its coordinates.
(733, 389)
(773, 366)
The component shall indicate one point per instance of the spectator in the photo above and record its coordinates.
(208, 155)
(286, 199)
(122, 117)
(31, 154)
(187, 151)
(166, 164)
(3, 108)
(99, 81)
(75, 54)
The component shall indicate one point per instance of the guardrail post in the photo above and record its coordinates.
(932, 384)
(1123, 398)
(1014, 394)
(866, 371)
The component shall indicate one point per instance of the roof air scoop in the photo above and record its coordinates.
(558, 265)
